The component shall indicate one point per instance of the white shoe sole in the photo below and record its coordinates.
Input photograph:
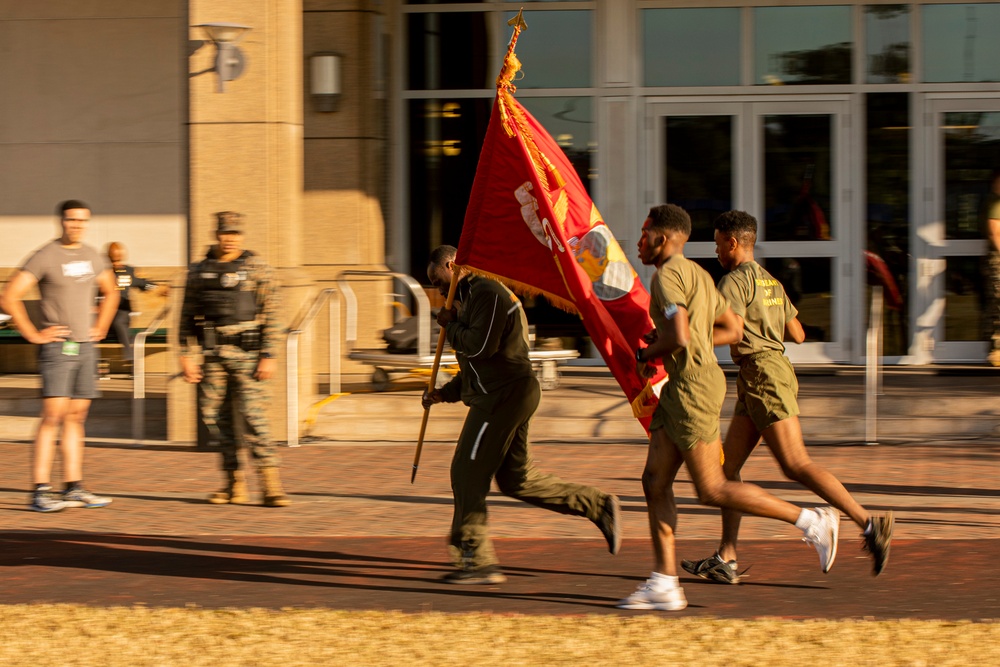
(645, 605)
(836, 541)
(653, 606)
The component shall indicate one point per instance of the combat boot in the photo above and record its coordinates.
(274, 495)
(235, 492)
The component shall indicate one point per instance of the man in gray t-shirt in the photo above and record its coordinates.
(66, 272)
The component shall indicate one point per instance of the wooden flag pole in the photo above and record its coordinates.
(434, 371)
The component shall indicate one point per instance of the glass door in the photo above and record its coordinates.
(962, 144)
(786, 162)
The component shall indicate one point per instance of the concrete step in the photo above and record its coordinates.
(587, 406)
(110, 416)
(594, 410)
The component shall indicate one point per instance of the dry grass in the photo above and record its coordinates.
(78, 635)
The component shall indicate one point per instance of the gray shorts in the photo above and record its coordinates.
(63, 375)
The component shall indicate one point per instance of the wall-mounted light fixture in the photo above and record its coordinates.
(229, 59)
(325, 79)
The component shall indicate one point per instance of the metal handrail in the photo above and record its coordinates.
(139, 375)
(351, 335)
(292, 356)
(423, 307)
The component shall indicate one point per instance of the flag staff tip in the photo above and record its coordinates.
(518, 21)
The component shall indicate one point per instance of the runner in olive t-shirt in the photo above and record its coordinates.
(766, 401)
(691, 317)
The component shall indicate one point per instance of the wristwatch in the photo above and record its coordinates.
(266, 355)
(638, 355)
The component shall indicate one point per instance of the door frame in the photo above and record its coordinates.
(928, 244)
(844, 250)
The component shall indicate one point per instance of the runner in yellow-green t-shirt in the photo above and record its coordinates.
(691, 318)
(767, 398)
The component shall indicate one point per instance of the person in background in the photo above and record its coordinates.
(125, 281)
(991, 225)
(66, 272)
(692, 318)
(230, 308)
(766, 399)
(489, 334)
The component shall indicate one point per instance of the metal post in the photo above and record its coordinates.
(873, 361)
(139, 377)
(292, 365)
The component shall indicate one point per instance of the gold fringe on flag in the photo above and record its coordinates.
(524, 289)
(513, 120)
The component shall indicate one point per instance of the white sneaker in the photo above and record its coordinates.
(646, 597)
(823, 535)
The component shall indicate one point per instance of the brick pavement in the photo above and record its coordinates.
(361, 536)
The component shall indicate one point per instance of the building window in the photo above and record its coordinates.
(699, 169)
(448, 51)
(887, 40)
(691, 47)
(570, 121)
(802, 45)
(960, 43)
(446, 136)
(555, 51)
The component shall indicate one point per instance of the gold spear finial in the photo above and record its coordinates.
(518, 21)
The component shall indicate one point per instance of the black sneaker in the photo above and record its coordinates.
(610, 523)
(877, 540)
(487, 574)
(715, 569)
(45, 500)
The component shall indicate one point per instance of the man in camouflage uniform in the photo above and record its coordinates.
(991, 224)
(230, 309)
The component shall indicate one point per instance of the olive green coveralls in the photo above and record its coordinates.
(496, 381)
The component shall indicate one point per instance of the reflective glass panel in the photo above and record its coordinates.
(559, 55)
(887, 38)
(888, 218)
(711, 264)
(699, 168)
(569, 120)
(971, 153)
(798, 164)
(960, 42)
(445, 137)
(449, 51)
(802, 45)
(691, 47)
(808, 283)
(964, 299)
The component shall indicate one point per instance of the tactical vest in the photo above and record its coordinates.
(226, 296)
(123, 279)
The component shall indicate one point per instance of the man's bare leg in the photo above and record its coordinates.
(741, 440)
(661, 591)
(73, 437)
(819, 526)
(663, 460)
(53, 414)
(785, 441)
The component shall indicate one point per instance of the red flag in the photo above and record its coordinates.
(531, 225)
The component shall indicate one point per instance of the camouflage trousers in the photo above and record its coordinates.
(993, 299)
(229, 388)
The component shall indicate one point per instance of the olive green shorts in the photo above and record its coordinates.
(766, 389)
(690, 406)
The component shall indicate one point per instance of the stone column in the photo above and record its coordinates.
(245, 154)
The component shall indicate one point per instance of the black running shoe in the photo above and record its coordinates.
(878, 539)
(487, 574)
(715, 569)
(610, 523)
